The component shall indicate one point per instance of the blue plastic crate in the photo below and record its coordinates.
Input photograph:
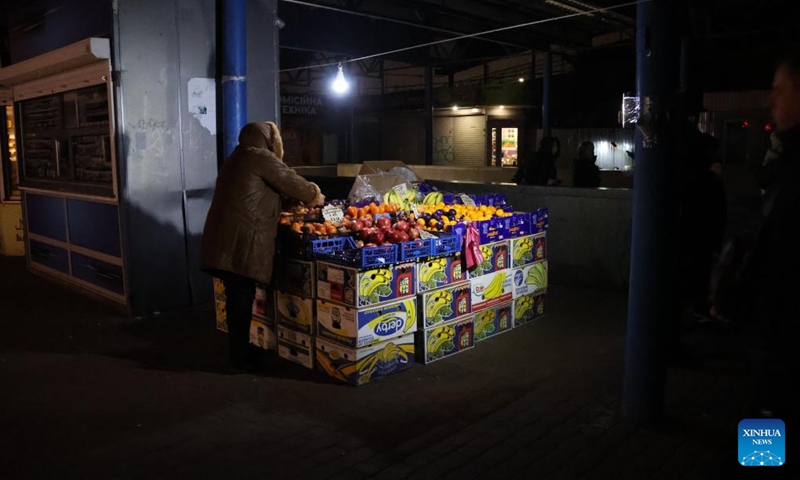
(446, 244)
(365, 257)
(329, 245)
(414, 249)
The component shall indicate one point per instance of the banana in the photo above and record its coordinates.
(537, 275)
(439, 336)
(495, 287)
(521, 307)
(430, 268)
(370, 282)
(433, 198)
(437, 302)
(485, 317)
(523, 246)
(411, 313)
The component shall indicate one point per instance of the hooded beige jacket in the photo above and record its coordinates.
(240, 229)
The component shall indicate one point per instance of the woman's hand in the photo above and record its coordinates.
(319, 200)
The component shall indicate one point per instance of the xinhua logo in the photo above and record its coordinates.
(762, 442)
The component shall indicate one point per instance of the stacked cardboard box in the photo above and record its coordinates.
(295, 302)
(529, 262)
(262, 323)
(491, 284)
(365, 320)
(445, 308)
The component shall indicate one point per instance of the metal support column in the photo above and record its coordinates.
(546, 77)
(650, 300)
(234, 71)
(429, 115)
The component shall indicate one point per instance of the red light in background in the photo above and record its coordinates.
(745, 124)
(768, 128)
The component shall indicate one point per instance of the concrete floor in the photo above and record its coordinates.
(89, 394)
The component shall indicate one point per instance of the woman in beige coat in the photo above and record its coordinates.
(238, 242)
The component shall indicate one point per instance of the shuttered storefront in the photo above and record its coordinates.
(469, 141)
(459, 141)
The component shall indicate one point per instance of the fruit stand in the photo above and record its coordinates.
(366, 287)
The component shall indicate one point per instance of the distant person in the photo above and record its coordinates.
(238, 242)
(769, 272)
(703, 221)
(765, 173)
(585, 173)
(540, 168)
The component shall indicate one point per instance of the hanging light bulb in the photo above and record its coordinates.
(340, 85)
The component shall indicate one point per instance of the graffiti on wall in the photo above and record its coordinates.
(443, 149)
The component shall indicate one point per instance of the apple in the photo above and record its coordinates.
(364, 233)
(402, 225)
(359, 243)
(377, 237)
(356, 226)
(383, 222)
(366, 221)
(413, 233)
(402, 236)
(393, 236)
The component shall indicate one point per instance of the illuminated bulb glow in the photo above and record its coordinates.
(455, 107)
(340, 84)
(502, 107)
(474, 110)
(521, 79)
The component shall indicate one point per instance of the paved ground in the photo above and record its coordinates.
(88, 394)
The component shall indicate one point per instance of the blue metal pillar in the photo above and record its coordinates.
(234, 71)
(546, 77)
(650, 302)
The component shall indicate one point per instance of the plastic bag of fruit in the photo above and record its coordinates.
(363, 191)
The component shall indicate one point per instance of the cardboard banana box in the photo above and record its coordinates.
(358, 366)
(296, 312)
(219, 305)
(495, 259)
(528, 249)
(445, 340)
(361, 327)
(263, 334)
(264, 304)
(445, 304)
(530, 279)
(438, 272)
(492, 321)
(295, 346)
(363, 288)
(296, 276)
(492, 289)
(528, 308)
